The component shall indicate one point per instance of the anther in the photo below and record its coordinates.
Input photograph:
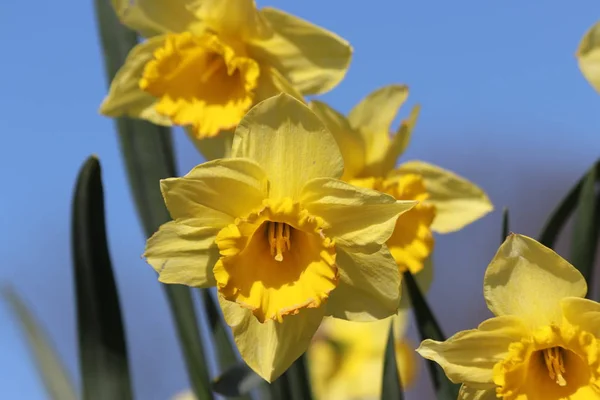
(553, 358)
(279, 234)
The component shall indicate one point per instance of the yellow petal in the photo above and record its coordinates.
(469, 393)
(527, 279)
(289, 142)
(213, 147)
(313, 59)
(373, 117)
(153, 17)
(232, 18)
(368, 288)
(201, 80)
(349, 140)
(588, 55)
(184, 254)
(125, 96)
(270, 348)
(458, 202)
(271, 82)
(469, 356)
(582, 312)
(217, 191)
(358, 218)
(400, 140)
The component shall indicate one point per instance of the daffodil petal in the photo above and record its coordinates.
(269, 348)
(588, 55)
(216, 192)
(271, 82)
(313, 59)
(373, 117)
(457, 201)
(154, 17)
(234, 18)
(582, 312)
(528, 279)
(358, 218)
(400, 140)
(424, 279)
(214, 147)
(469, 356)
(290, 142)
(125, 96)
(183, 253)
(469, 393)
(368, 288)
(349, 140)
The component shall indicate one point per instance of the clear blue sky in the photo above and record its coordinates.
(503, 104)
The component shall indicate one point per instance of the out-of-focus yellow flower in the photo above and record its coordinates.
(285, 242)
(588, 55)
(543, 344)
(346, 358)
(447, 201)
(206, 62)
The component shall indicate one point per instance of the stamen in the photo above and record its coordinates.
(553, 357)
(279, 234)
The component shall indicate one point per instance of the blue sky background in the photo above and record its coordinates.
(503, 103)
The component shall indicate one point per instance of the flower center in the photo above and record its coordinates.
(201, 81)
(412, 241)
(279, 238)
(261, 270)
(553, 358)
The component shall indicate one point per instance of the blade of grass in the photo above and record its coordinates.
(102, 349)
(57, 382)
(429, 328)
(505, 224)
(391, 388)
(148, 155)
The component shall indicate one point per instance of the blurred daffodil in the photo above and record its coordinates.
(588, 55)
(543, 344)
(447, 201)
(346, 358)
(206, 62)
(285, 242)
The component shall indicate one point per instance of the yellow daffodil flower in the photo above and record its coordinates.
(447, 201)
(346, 358)
(543, 344)
(285, 242)
(206, 62)
(588, 55)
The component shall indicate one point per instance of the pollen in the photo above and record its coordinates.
(554, 360)
(279, 234)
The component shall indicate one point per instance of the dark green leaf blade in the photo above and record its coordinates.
(429, 328)
(505, 224)
(148, 155)
(238, 380)
(297, 375)
(57, 382)
(102, 349)
(585, 231)
(391, 388)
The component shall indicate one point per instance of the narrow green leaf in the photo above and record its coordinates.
(298, 379)
(102, 349)
(563, 211)
(505, 224)
(391, 388)
(50, 367)
(237, 381)
(148, 154)
(429, 329)
(585, 231)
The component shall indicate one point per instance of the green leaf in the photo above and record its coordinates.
(237, 381)
(429, 329)
(148, 154)
(563, 211)
(56, 379)
(585, 229)
(391, 388)
(505, 224)
(298, 380)
(102, 349)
